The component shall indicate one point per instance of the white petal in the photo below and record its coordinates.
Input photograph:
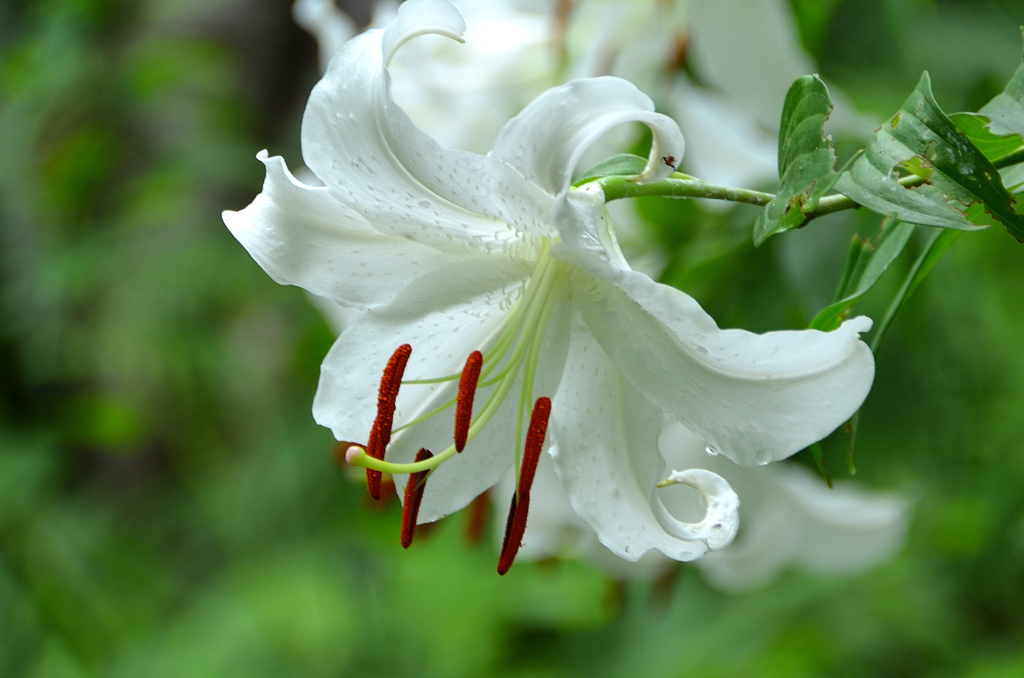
(721, 520)
(337, 317)
(373, 159)
(606, 454)
(546, 140)
(303, 236)
(754, 397)
(487, 456)
(421, 17)
(848, 529)
(790, 518)
(444, 315)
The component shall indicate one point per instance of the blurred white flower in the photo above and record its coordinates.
(453, 253)
(788, 518)
(331, 27)
(462, 94)
(750, 51)
(747, 51)
(726, 145)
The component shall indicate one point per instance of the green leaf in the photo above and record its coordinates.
(998, 128)
(919, 167)
(622, 165)
(939, 242)
(1006, 110)
(993, 146)
(806, 159)
(1013, 178)
(865, 265)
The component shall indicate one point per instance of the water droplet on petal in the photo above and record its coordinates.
(712, 452)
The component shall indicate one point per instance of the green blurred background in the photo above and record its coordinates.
(169, 508)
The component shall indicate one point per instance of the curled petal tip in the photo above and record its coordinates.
(722, 520)
(667, 148)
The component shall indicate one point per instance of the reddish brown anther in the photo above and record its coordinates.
(464, 401)
(380, 434)
(413, 495)
(534, 442)
(476, 518)
(509, 554)
(515, 526)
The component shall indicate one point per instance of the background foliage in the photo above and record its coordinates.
(169, 508)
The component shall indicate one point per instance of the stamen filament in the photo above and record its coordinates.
(414, 487)
(515, 319)
(532, 358)
(509, 325)
(437, 410)
(525, 327)
(529, 326)
(494, 400)
(435, 380)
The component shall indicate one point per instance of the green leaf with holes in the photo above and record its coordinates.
(998, 128)
(978, 128)
(865, 264)
(919, 167)
(806, 159)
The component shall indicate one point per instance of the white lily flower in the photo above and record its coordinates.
(451, 252)
(788, 518)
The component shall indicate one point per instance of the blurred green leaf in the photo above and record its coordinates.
(865, 265)
(938, 244)
(998, 128)
(1006, 110)
(946, 180)
(1013, 178)
(110, 422)
(806, 159)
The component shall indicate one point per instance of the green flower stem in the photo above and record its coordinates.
(685, 186)
(616, 187)
(837, 202)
